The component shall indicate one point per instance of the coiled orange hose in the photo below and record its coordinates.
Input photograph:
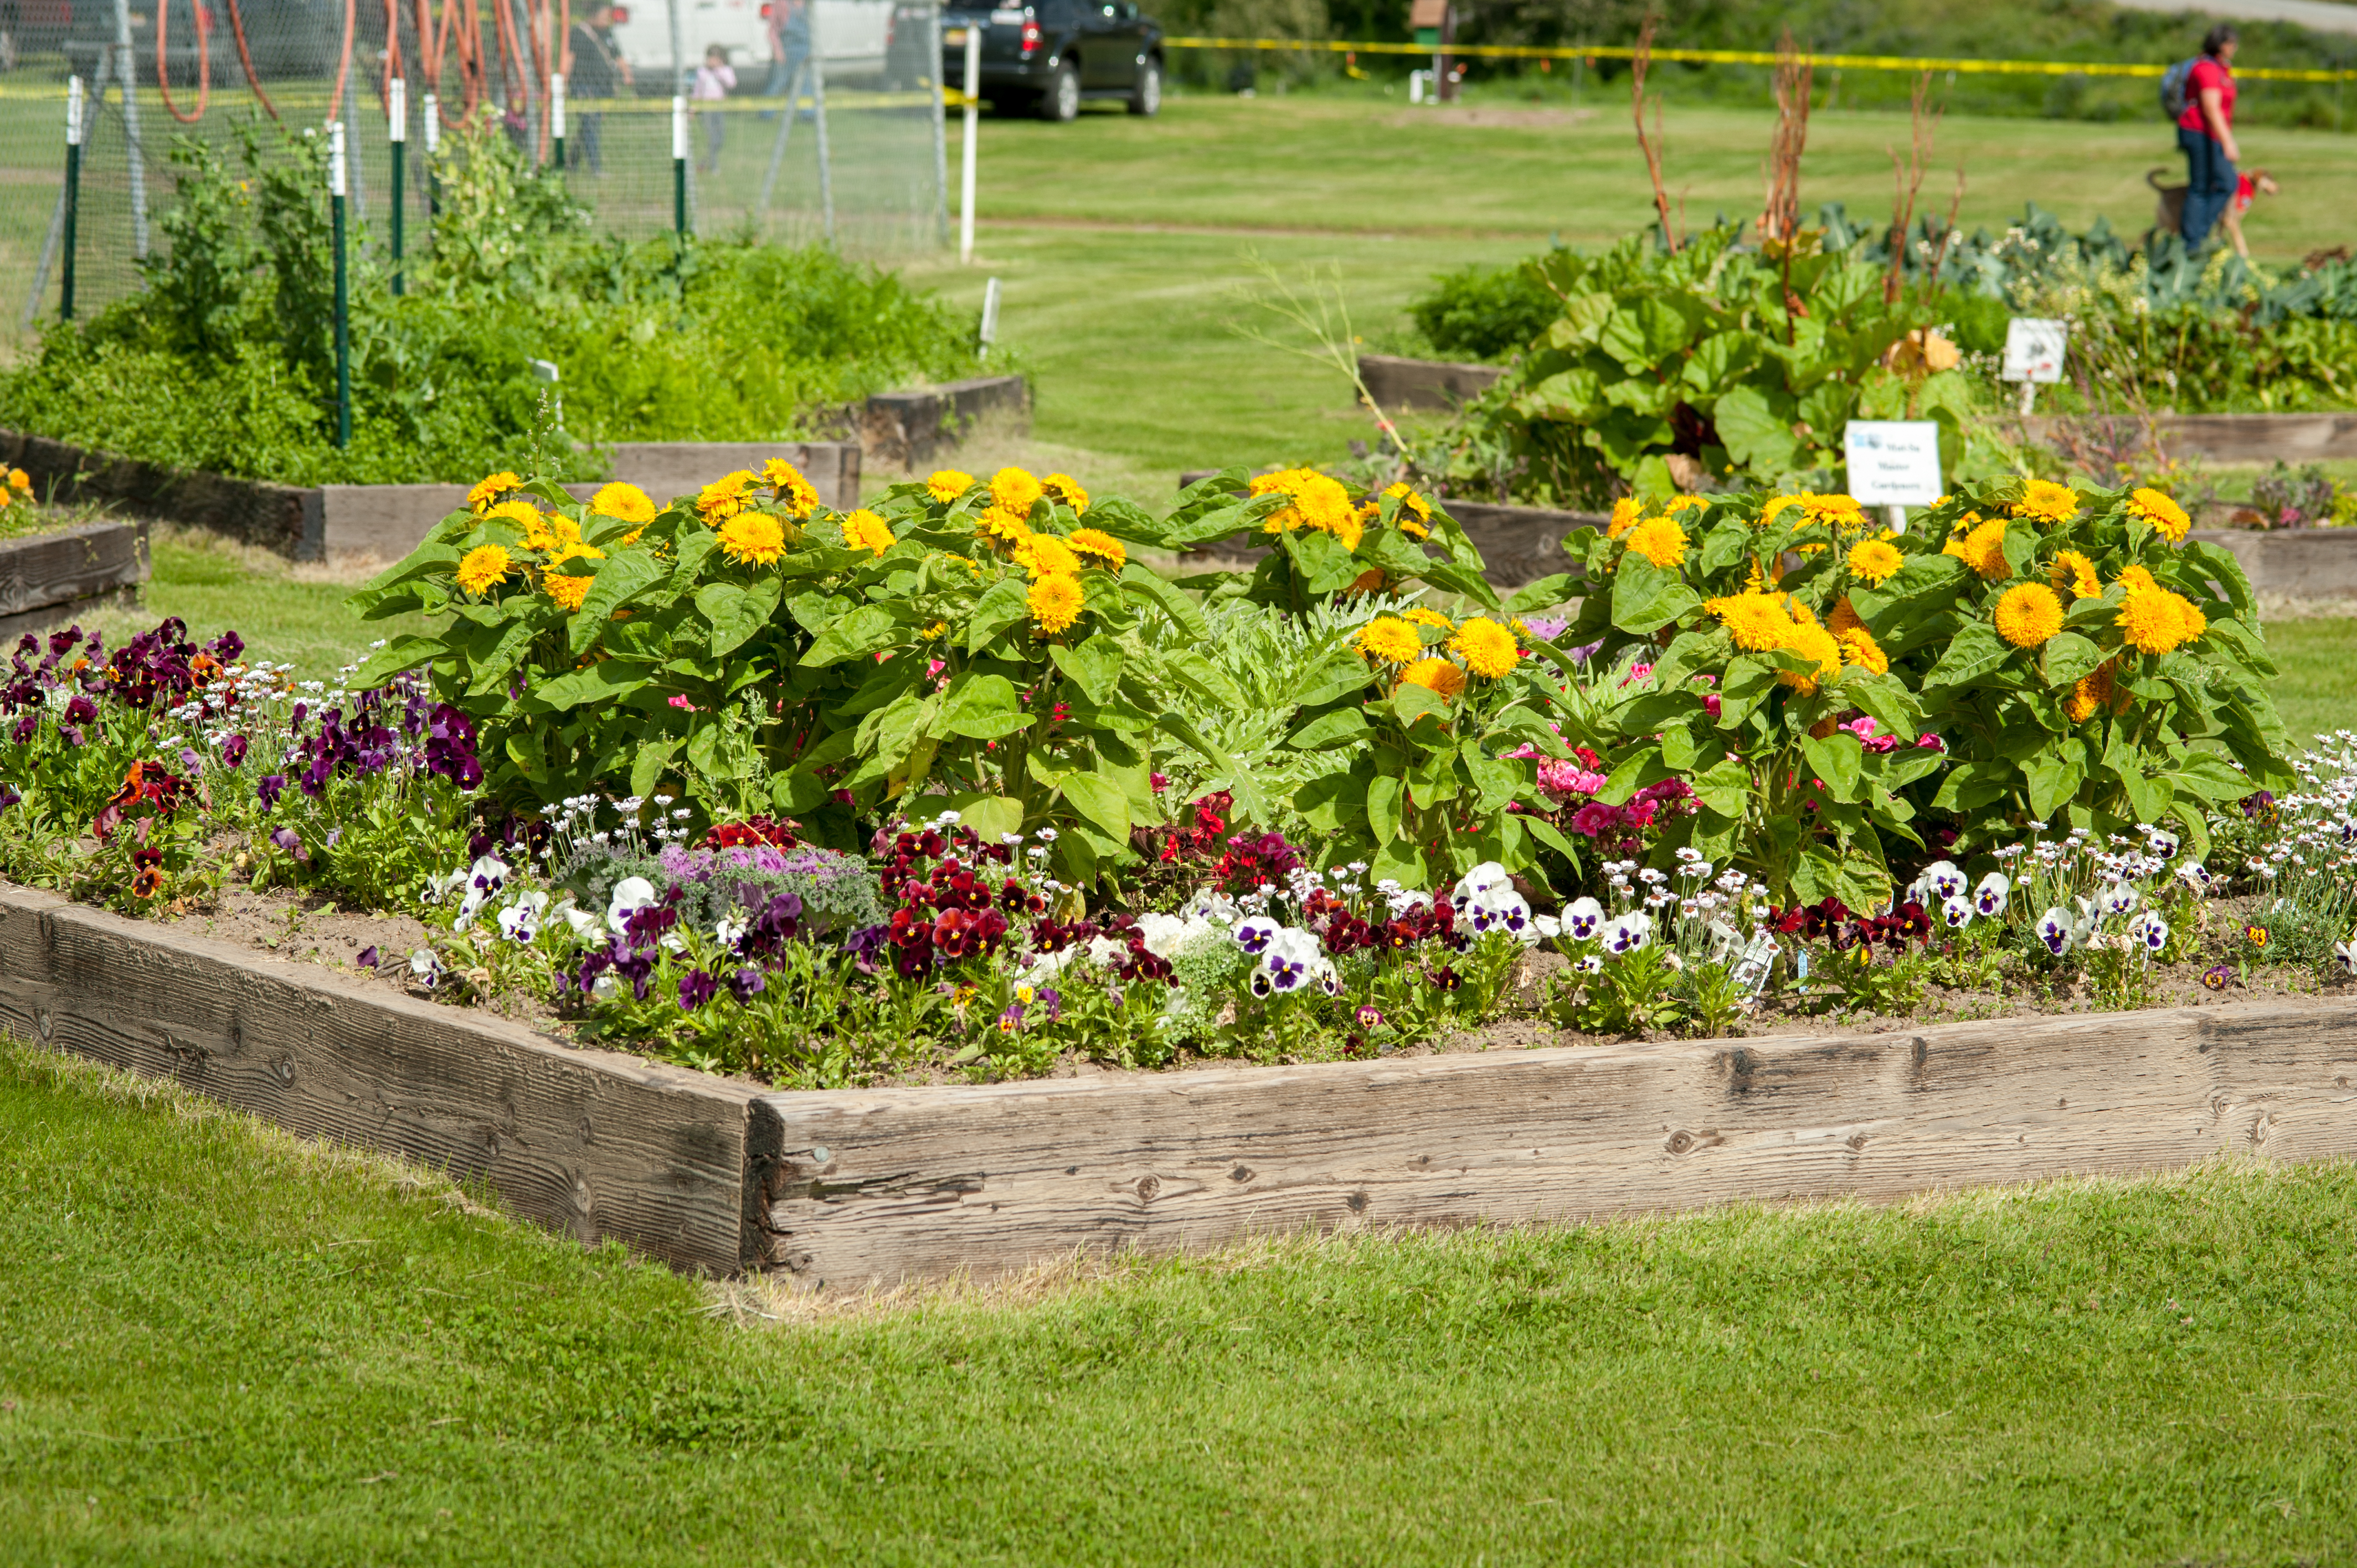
(204, 62)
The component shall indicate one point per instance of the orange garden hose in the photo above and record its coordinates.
(344, 66)
(204, 62)
(392, 53)
(245, 59)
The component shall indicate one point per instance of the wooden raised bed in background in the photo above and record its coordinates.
(50, 579)
(857, 1187)
(318, 522)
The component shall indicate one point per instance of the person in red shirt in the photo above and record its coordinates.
(2206, 134)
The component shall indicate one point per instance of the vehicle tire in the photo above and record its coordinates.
(1061, 98)
(1146, 98)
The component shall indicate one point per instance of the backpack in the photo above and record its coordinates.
(2176, 89)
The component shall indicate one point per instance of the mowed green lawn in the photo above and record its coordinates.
(220, 1345)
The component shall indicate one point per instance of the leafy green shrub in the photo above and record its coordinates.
(226, 363)
(988, 647)
(2025, 653)
(1744, 363)
(1484, 312)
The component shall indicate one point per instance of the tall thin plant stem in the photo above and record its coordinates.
(1780, 217)
(1923, 131)
(1319, 310)
(1651, 148)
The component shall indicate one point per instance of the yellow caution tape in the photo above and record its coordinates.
(293, 102)
(1747, 57)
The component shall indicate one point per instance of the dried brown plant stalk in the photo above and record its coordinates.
(1780, 217)
(1638, 67)
(1948, 234)
(1923, 131)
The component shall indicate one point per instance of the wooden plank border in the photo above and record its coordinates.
(593, 1143)
(858, 1188)
(881, 1188)
(48, 579)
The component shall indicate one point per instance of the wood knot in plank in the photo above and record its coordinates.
(1356, 1203)
(1681, 1142)
(1241, 1173)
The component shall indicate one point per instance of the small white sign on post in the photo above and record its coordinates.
(2033, 355)
(2033, 350)
(1893, 463)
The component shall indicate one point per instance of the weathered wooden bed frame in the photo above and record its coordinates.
(864, 1187)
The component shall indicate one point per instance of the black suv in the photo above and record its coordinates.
(1048, 55)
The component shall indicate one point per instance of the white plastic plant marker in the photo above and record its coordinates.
(1893, 463)
(2034, 348)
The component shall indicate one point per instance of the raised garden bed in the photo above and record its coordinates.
(1390, 916)
(1394, 382)
(383, 520)
(905, 429)
(2302, 563)
(858, 1187)
(50, 579)
(2244, 437)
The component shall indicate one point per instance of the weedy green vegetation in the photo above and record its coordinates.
(225, 363)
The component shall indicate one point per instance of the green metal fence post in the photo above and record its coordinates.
(335, 189)
(679, 163)
(433, 123)
(397, 144)
(73, 195)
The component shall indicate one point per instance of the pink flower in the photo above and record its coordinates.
(1595, 819)
(681, 701)
(1864, 729)
(1929, 742)
(1710, 704)
(935, 668)
(1566, 778)
(1161, 781)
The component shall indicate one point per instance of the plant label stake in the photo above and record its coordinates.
(972, 96)
(432, 144)
(396, 135)
(2034, 348)
(544, 371)
(989, 331)
(336, 193)
(1893, 463)
(1754, 962)
(557, 117)
(73, 194)
(679, 164)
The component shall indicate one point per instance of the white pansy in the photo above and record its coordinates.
(1482, 878)
(520, 921)
(1988, 898)
(630, 895)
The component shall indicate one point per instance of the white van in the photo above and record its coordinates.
(854, 37)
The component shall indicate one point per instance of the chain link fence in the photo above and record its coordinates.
(811, 119)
